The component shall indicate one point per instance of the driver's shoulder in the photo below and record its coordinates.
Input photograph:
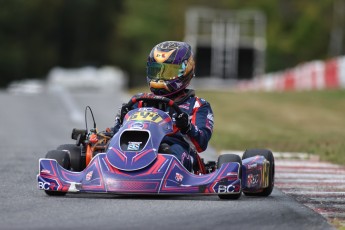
(201, 102)
(194, 103)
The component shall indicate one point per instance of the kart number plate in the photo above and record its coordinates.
(146, 116)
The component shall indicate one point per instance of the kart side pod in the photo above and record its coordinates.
(255, 174)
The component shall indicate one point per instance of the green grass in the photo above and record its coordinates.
(312, 122)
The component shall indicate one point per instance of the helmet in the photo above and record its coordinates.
(170, 68)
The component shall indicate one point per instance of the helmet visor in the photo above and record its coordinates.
(163, 71)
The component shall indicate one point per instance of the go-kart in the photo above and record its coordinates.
(133, 162)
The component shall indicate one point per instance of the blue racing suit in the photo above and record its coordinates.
(183, 146)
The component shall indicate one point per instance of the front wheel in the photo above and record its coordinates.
(74, 151)
(62, 159)
(268, 156)
(227, 158)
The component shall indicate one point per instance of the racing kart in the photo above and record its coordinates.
(132, 161)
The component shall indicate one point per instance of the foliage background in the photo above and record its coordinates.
(37, 35)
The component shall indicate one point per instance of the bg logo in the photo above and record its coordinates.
(226, 188)
(43, 185)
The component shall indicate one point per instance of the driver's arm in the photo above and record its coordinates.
(201, 125)
(117, 124)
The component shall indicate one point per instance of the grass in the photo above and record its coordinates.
(312, 122)
(338, 224)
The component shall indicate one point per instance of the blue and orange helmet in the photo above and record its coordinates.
(170, 68)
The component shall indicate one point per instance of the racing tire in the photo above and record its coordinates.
(63, 159)
(269, 156)
(74, 151)
(226, 158)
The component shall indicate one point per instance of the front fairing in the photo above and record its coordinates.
(166, 175)
(136, 144)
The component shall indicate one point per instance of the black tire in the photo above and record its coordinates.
(62, 159)
(226, 158)
(74, 151)
(269, 156)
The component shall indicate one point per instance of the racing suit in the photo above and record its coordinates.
(196, 139)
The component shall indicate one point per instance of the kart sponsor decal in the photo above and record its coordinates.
(232, 174)
(146, 109)
(43, 185)
(178, 177)
(146, 116)
(226, 188)
(161, 56)
(185, 106)
(210, 116)
(46, 171)
(89, 176)
(252, 180)
(137, 125)
(134, 146)
(252, 166)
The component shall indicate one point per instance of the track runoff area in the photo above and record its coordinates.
(318, 185)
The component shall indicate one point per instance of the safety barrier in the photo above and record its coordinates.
(315, 75)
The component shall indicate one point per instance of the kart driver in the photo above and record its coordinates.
(170, 68)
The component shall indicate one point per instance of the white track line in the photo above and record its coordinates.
(75, 114)
(310, 170)
(306, 164)
(318, 185)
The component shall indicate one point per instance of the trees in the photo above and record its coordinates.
(37, 35)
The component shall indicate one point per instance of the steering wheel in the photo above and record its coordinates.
(150, 99)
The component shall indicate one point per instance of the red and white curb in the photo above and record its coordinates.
(314, 75)
(318, 185)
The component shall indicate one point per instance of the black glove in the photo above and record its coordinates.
(182, 122)
(124, 110)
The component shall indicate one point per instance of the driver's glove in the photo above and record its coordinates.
(124, 110)
(183, 123)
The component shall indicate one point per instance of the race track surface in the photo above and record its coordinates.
(33, 124)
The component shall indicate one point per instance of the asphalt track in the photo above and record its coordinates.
(34, 124)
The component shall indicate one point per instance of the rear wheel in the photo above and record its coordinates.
(268, 156)
(62, 159)
(226, 158)
(74, 151)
